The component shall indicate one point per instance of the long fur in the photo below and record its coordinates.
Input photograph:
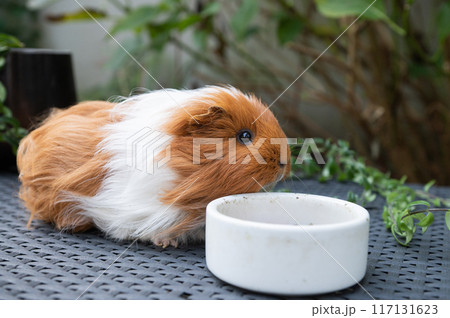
(76, 173)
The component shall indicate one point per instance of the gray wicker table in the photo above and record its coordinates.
(45, 264)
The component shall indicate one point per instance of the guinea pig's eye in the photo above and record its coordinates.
(245, 136)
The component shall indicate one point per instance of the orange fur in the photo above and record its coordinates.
(227, 179)
(60, 158)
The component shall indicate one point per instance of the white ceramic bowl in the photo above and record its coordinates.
(253, 242)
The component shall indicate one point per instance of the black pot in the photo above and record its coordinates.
(35, 80)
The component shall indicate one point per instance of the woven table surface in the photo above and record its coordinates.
(43, 263)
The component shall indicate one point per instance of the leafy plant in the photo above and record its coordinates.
(403, 212)
(10, 130)
(18, 20)
(385, 80)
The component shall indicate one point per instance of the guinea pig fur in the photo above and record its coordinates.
(76, 167)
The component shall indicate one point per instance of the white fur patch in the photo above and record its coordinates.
(127, 206)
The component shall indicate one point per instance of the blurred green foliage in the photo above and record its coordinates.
(387, 76)
(10, 130)
(18, 20)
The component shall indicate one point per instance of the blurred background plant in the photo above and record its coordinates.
(384, 85)
(10, 130)
(18, 20)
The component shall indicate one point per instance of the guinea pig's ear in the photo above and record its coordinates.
(212, 114)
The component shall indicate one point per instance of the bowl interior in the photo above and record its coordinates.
(290, 209)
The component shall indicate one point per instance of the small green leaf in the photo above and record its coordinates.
(288, 28)
(419, 202)
(243, 17)
(409, 236)
(188, 21)
(2, 62)
(352, 197)
(394, 233)
(160, 39)
(5, 111)
(12, 141)
(447, 219)
(418, 216)
(427, 187)
(9, 41)
(391, 197)
(443, 21)
(2, 93)
(369, 196)
(427, 220)
(137, 18)
(437, 202)
(342, 177)
(211, 9)
(11, 121)
(339, 8)
(402, 180)
(22, 132)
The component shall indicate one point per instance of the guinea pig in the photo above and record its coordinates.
(146, 167)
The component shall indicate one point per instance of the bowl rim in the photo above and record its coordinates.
(362, 217)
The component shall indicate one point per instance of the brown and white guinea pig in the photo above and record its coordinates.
(88, 165)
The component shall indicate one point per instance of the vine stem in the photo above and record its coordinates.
(423, 211)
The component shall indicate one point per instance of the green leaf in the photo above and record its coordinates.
(160, 39)
(369, 196)
(211, 9)
(409, 236)
(11, 121)
(427, 220)
(391, 197)
(22, 132)
(339, 8)
(418, 216)
(2, 62)
(2, 93)
(427, 187)
(419, 202)
(447, 219)
(9, 41)
(137, 18)
(394, 233)
(5, 110)
(352, 197)
(243, 17)
(342, 177)
(188, 21)
(443, 21)
(77, 15)
(14, 143)
(437, 202)
(288, 28)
